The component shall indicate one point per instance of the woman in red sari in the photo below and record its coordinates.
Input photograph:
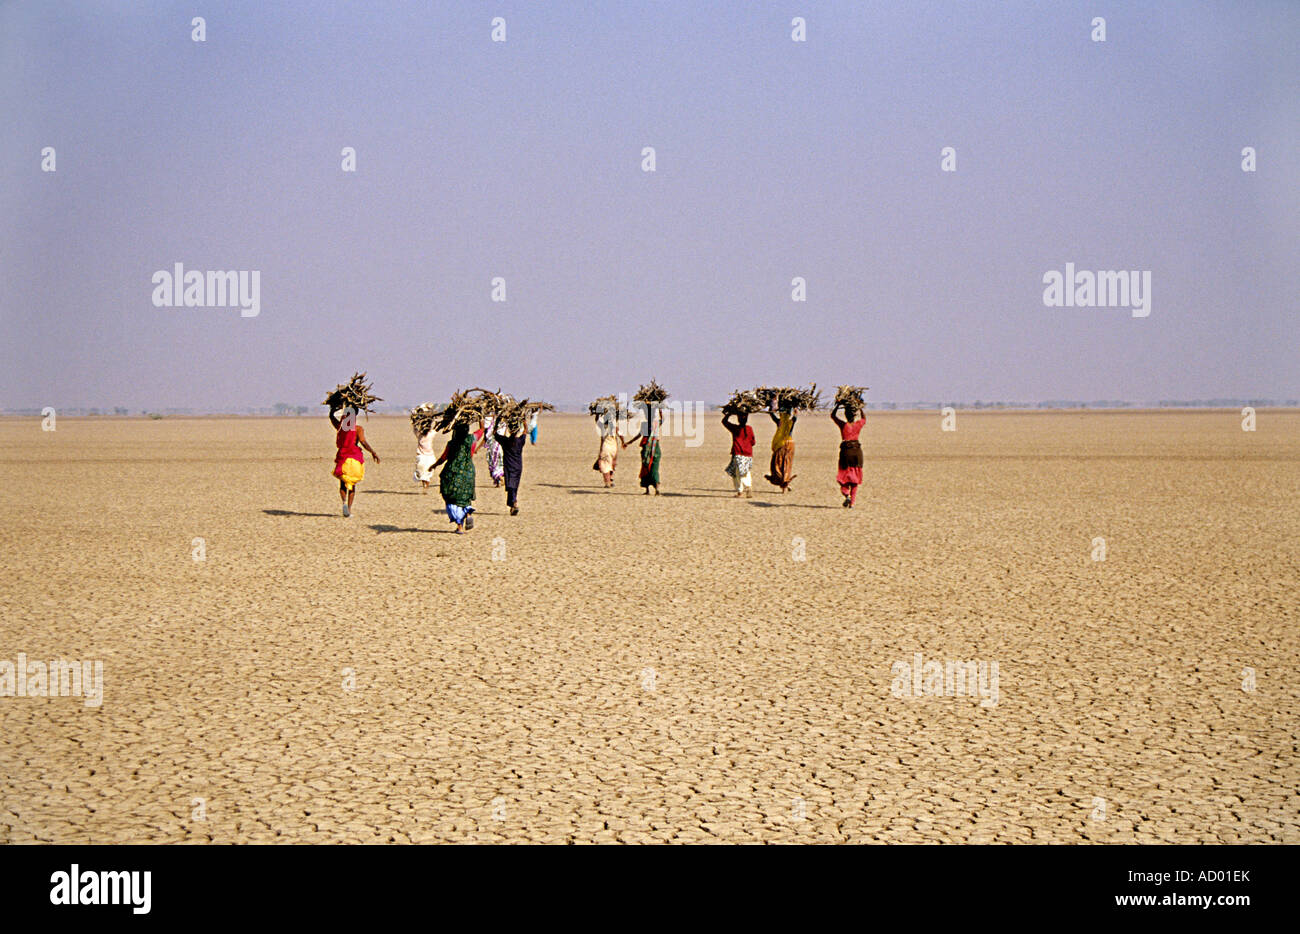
(849, 475)
(349, 462)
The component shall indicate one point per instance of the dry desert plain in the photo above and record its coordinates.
(611, 667)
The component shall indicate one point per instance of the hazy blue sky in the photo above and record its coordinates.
(522, 159)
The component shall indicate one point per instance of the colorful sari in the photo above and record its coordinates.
(650, 458)
(738, 470)
(424, 458)
(607, 459)
(456, 482)
(849, 473)
(349, 462)
(783, 453)
(496, 468)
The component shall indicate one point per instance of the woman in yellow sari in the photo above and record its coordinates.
(782, 448)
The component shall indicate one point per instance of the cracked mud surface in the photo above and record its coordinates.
(658, 669)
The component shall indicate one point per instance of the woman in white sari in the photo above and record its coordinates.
(424, 459)
(611, 442)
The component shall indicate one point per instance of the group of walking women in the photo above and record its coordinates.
(457, 479)
(505, 454)
(781, 473)
(506, 457)
(740, 468)
(612, 441)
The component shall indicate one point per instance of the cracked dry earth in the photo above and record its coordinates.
(638, 669)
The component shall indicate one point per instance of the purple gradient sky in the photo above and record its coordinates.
(775, 159)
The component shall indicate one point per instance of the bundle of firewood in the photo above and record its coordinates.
(851, 397)
(422, 417)
(790, 398)
(651, 392)
(743, 400)
(469, 407)
(514, 416)
(356, 393)
(603, 405)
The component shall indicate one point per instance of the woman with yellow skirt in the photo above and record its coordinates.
(349, 462)
(782, 449)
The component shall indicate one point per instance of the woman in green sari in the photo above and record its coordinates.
(456, 482)
(651, 453)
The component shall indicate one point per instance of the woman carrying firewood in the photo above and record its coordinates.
(349, 462)
(652, 396)
(606, 412)
(343, 405)
(782, 448)
(742, 451)
(511, 426)
(422, 417)
(424, 459)
(849, 475)
(512, 455)
(782, 404)
(651, 452)
(456, 482)
(496, 465)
